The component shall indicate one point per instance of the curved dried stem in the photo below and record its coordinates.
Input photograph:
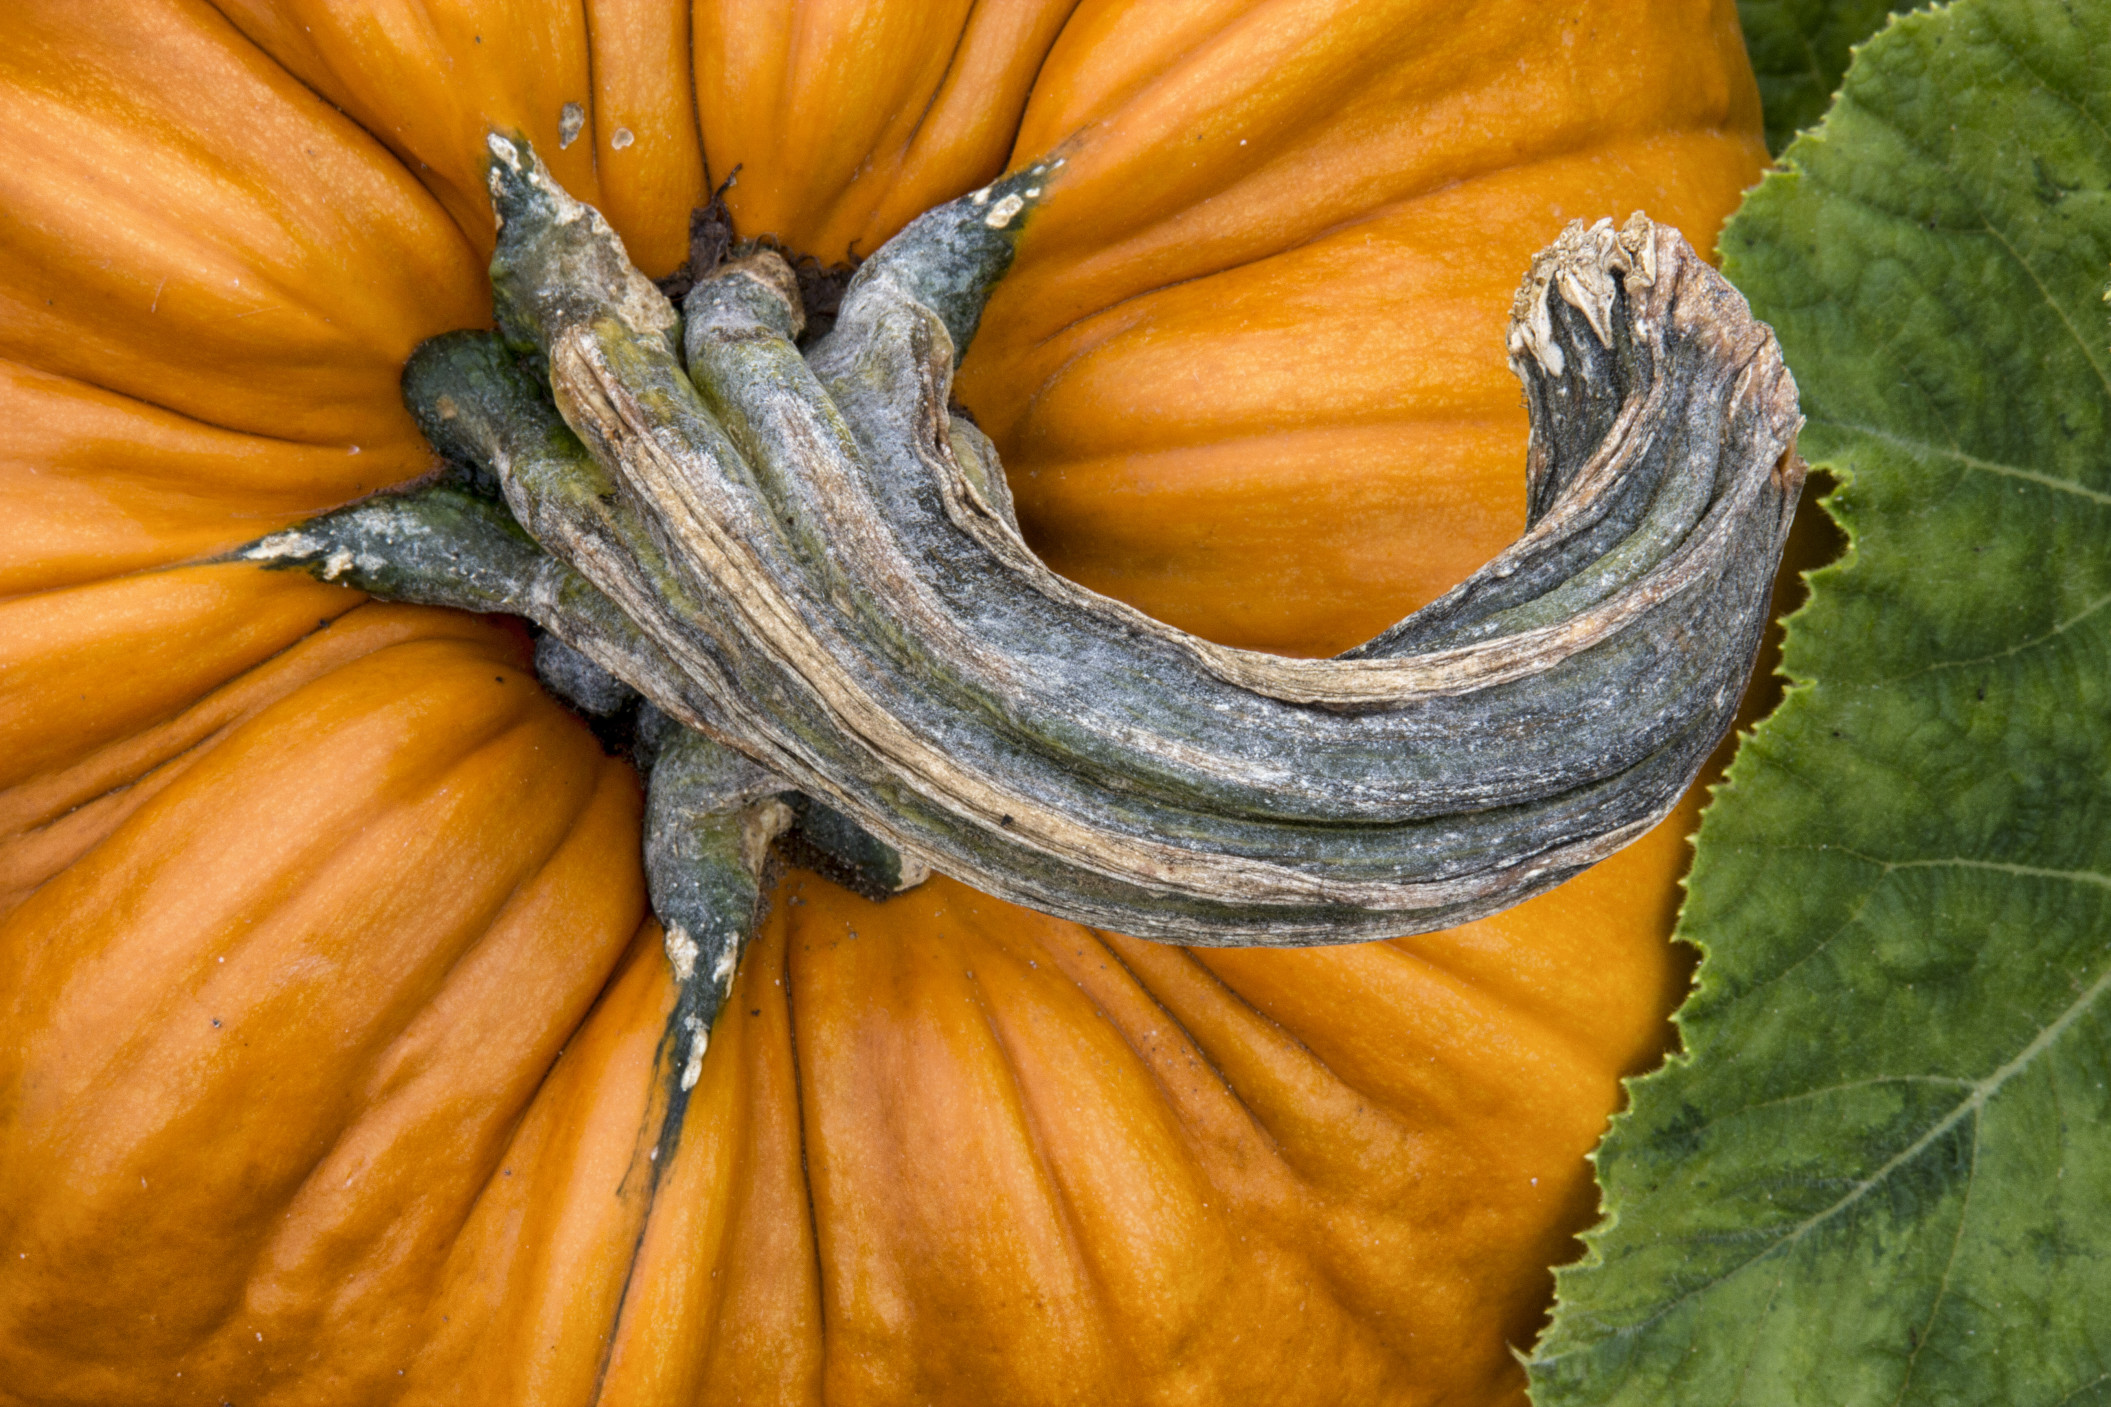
(821, 569)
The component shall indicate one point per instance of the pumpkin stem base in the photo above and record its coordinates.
(799, 553)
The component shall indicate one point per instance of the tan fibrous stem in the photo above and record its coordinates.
(819, 568)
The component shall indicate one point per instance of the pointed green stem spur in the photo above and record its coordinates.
(807, 564)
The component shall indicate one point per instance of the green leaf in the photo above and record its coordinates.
(1800, 48)
(1882, 1171)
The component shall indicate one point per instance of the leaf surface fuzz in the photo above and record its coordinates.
(1881, 1171)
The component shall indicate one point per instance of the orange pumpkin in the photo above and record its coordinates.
(332, 1005)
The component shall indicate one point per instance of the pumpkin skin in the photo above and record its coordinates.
(396, 1146)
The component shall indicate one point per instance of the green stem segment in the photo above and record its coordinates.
(710, 815)
(817, 565)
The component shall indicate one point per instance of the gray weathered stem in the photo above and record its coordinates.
(901, 652)
(821, 568)
(710, 816)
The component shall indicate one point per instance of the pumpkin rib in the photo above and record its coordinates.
(705, 1221)
(1096, 1297)
(1496, 285)
(1307, 1112)
(832, 200)
(1253, 261)
(923, 113)
(613, 837)
(481, 986)
(777, 1007)
(1113, 518)
(171, 325)
(166, 637)
(903, 201)
(622, 1303)
(1402, 164)
(1444, 1020)
(882, 1173)
(1136, 967)
(1086, 35)
(359, 629)
(29, 858)
(95, 484)
(1272, 1075)
(626, 71)
(1149, 1328)
(1278, 1203)
(663, 1129)
(985, 904)
(643, 84)
(653, 1258)
(1139, 988)
(1330, 1066)
(1296, 1112)
(426, 80)
(600, 1141)
(1275, 1206)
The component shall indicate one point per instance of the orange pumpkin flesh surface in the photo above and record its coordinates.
(333, 1007)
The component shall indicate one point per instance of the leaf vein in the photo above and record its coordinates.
(2057, 629)
(1969, 461)
(1949, 1267)
(2044, 84)
(1982, 1091)
(2096, 1382)
(2081, 343)
(1953, 1081)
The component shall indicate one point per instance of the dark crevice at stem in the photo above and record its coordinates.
(806, 1172)
(829, 843)
(713, 240)
(711, 236)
